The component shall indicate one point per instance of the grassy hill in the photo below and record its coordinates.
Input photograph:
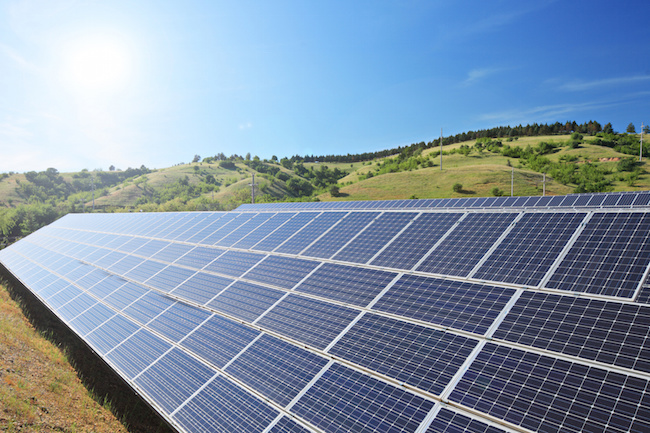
(482, 167)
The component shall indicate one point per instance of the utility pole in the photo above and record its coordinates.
(512, 182)
(253, 190)
(544, 185)
(641, 147)
(440, 149)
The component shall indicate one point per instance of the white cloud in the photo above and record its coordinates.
(247, 125)
(579, 85)
(542, 113)
(478, 74)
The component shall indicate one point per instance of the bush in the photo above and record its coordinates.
(334, 191)
(457, 187)
(627, 164)
(497, 192)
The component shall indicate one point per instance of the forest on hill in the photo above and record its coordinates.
(574, 158)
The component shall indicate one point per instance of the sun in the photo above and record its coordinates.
(97, 64)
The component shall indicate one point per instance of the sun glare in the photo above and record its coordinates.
(97, 64)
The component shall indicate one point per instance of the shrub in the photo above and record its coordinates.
(497, 192)
(457, 187)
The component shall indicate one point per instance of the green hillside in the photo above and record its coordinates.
(480, 167)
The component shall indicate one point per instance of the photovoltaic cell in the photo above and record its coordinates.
(224, 407)
(150, 305)
(173, 379)
(410, 246)
(461, 251)
(422, 357)
(310, 232)
(276, 369)
(250, 225)
(199, 257)
(283, 272)
(201, 287)
(604, 331)
(374, 237)
(466, 306)
(542, 393)
(172, 252)
(178, 320)
(219, 339)
(263, 231)
(234, 263)
(287, 425)
(111, 333)
(245, 301)
(609, 257)
(340, 234)
(310, 321)
(347, 399)
(227, 228)
(346, 283)
(145, 270)
(285, 232)
(169, 278)
(137, 352)
(448, 421)
(530, 248)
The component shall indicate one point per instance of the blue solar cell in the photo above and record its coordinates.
(467, 244)
(609, 257)
(347, 399)
(214, 237)
(346, 283)
(137, 352)
(466, 306)
(213, 226)
(234, 263)
(122, 265)
(448, 421)
(244, 229)
(312, 322)
(285, 232)
(151, 248)
(263, 231)
(374, 237)
(276, 369)
(308, 233)
(91, 318)
(72, 309)
(287, 425)
(172, 252)
(199, 257)
(128, 293)
(422, 357)
(178, 320)
(410, 246)
(340, 234)
(193, 223)
(101, 284)
(543, 393)
(111, 333)
(530, 248)
(224, 407)
(219, 339)
(201, 287)
(283, 272)
(133, 245)
(245, 301)
(608, 332)
(170, 278)
(173, 379)
(150, 305)
(111, 259)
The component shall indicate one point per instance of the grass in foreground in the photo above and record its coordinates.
(39, 390)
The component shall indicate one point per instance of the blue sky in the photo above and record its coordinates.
(89, 84)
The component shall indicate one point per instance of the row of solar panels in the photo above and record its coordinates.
(208, 333)
(599, 252)
(597, 200)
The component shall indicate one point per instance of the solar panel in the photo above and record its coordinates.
(468, 315)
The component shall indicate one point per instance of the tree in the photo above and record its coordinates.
(646, 129)
(630, 128)
(334, 191)
(457, 187)
(248, 156)
(196, 158)
(111, 168)
(608, 129)
(274, 158)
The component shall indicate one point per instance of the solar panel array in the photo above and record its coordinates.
(483, 315)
